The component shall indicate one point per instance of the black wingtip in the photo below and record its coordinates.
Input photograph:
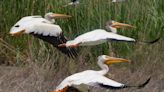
(154, 41)
(72, 53)
(145, 83)
(55, 41)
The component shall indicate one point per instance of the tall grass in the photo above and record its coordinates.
(147, 16)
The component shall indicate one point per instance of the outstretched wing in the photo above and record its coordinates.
(116, 37)
(88, 77)
(110, 84)
(52, 34)
(100, 35)
(92, 78)
(107, 83)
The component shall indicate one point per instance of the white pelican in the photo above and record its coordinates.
(96, 78)
(72, 3)
(100, 36)
(44, 29)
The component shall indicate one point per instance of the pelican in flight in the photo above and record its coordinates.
(44, 29)
(100, 36)
(72, 3)
(96, 78)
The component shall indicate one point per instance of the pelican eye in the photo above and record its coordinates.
(16, 25)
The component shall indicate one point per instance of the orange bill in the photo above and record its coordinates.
(112, 60)
(17, 33)
(121, 25)
(55, 15)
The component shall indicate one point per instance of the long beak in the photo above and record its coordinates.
(62, 45)
(121, 25)
(17, 33)
(112, 60)
(60, 16)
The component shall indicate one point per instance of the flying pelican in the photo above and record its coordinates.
(44, 29)
(72, 3)
(96, 78)
(100, 36)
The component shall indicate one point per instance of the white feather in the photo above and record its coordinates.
(37, 25)
(88, 77)
(96, 37)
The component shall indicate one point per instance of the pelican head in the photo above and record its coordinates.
(104, 59)
(50, 16)
(113, 25)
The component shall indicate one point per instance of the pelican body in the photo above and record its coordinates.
(95, 78)
(44, 29)
(99, 36)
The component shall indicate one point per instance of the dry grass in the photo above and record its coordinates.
(33, 78)
(36, 77)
